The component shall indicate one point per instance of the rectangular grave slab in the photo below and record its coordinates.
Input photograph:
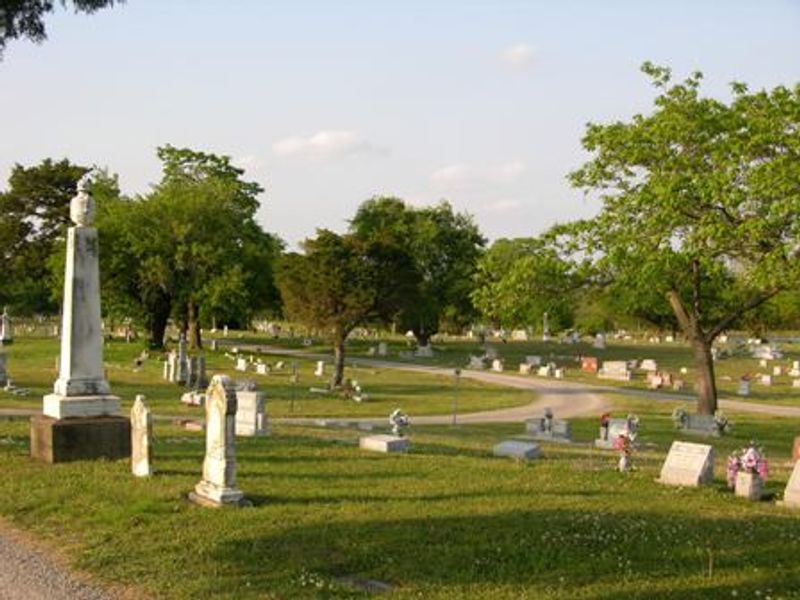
(615, 429)
(701, 425)
(615, 369)
(688, 464)
(791, 495)
(517, 449)
(560, 430)
(384, 443)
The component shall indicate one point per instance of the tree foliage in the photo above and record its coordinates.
(34, 213)
(191, 249)
(699, 204)
(442, 249)
(333, 286)
(521, 279)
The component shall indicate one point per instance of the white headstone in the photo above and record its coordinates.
(320, 370)
(524, 369)
(791, 495)
(251, 418)
(384, 443)
(766, 380)
(599, 341)
(81, 389)
(688, 464)
(141, 438)
(6, 335)
(744, 387)
(218, 485)
(777, 371)
(517, 449)
(241, 364)
(648, 364)
(497, 365)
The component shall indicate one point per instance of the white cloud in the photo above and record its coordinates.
(248, 163)
(518, 55)
(323, 144)
(503, 206)
(451, 175)
(460, 176)
(506, 172)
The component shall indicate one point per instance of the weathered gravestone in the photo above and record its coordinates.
(81, 419)
(6, 335)
(648, 364)
(517, 449)
(688, 464)
(241, 364)
(251, 418)
(791, 495)
(590, 364)
(608, 435)
(524, 369)
(533, 360)
(549, 429)
(497, 365)
(709, 425)
(218, 485)
(320, 369)
(424, 352)
(615, 369)
(383, 349)
(141, 438)
(3, 374)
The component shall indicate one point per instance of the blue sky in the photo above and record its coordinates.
(329, 103)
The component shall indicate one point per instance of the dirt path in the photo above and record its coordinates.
(30, 573)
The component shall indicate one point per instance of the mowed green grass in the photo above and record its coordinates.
(31, 364)
(447, 520)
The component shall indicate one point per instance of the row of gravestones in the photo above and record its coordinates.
(687, 463)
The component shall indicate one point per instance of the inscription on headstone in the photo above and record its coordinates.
(688, 464)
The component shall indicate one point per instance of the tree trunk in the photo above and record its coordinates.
(701, 348)
(157, 326)
(193, 324)
(706, 382)
(338, 362)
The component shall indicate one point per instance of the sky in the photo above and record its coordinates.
(327, 104)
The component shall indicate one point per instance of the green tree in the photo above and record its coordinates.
(521, 279)
(25, 18)
(699, 202)
(34, 213)
(442, 249)
(190, 248)
(333, 286)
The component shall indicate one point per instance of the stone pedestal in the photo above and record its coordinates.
(64, 440)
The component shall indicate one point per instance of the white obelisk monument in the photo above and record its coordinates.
(81, 418)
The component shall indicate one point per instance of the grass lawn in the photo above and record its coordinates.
(445, 521)
(32, 364)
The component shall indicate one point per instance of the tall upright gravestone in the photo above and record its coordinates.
(218, 485)
(81, 419)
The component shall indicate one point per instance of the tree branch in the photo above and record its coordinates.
(752, 303)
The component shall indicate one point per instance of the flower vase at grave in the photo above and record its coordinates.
(749, 485)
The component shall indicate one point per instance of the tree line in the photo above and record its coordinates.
(697, 232)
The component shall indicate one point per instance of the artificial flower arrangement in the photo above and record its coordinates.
(747, 460)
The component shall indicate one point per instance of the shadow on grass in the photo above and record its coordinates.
(561, 553)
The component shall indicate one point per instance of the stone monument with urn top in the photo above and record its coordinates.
(81, 419)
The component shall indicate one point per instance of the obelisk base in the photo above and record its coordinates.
(90, 438)
(207, 494)
(64, 407)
